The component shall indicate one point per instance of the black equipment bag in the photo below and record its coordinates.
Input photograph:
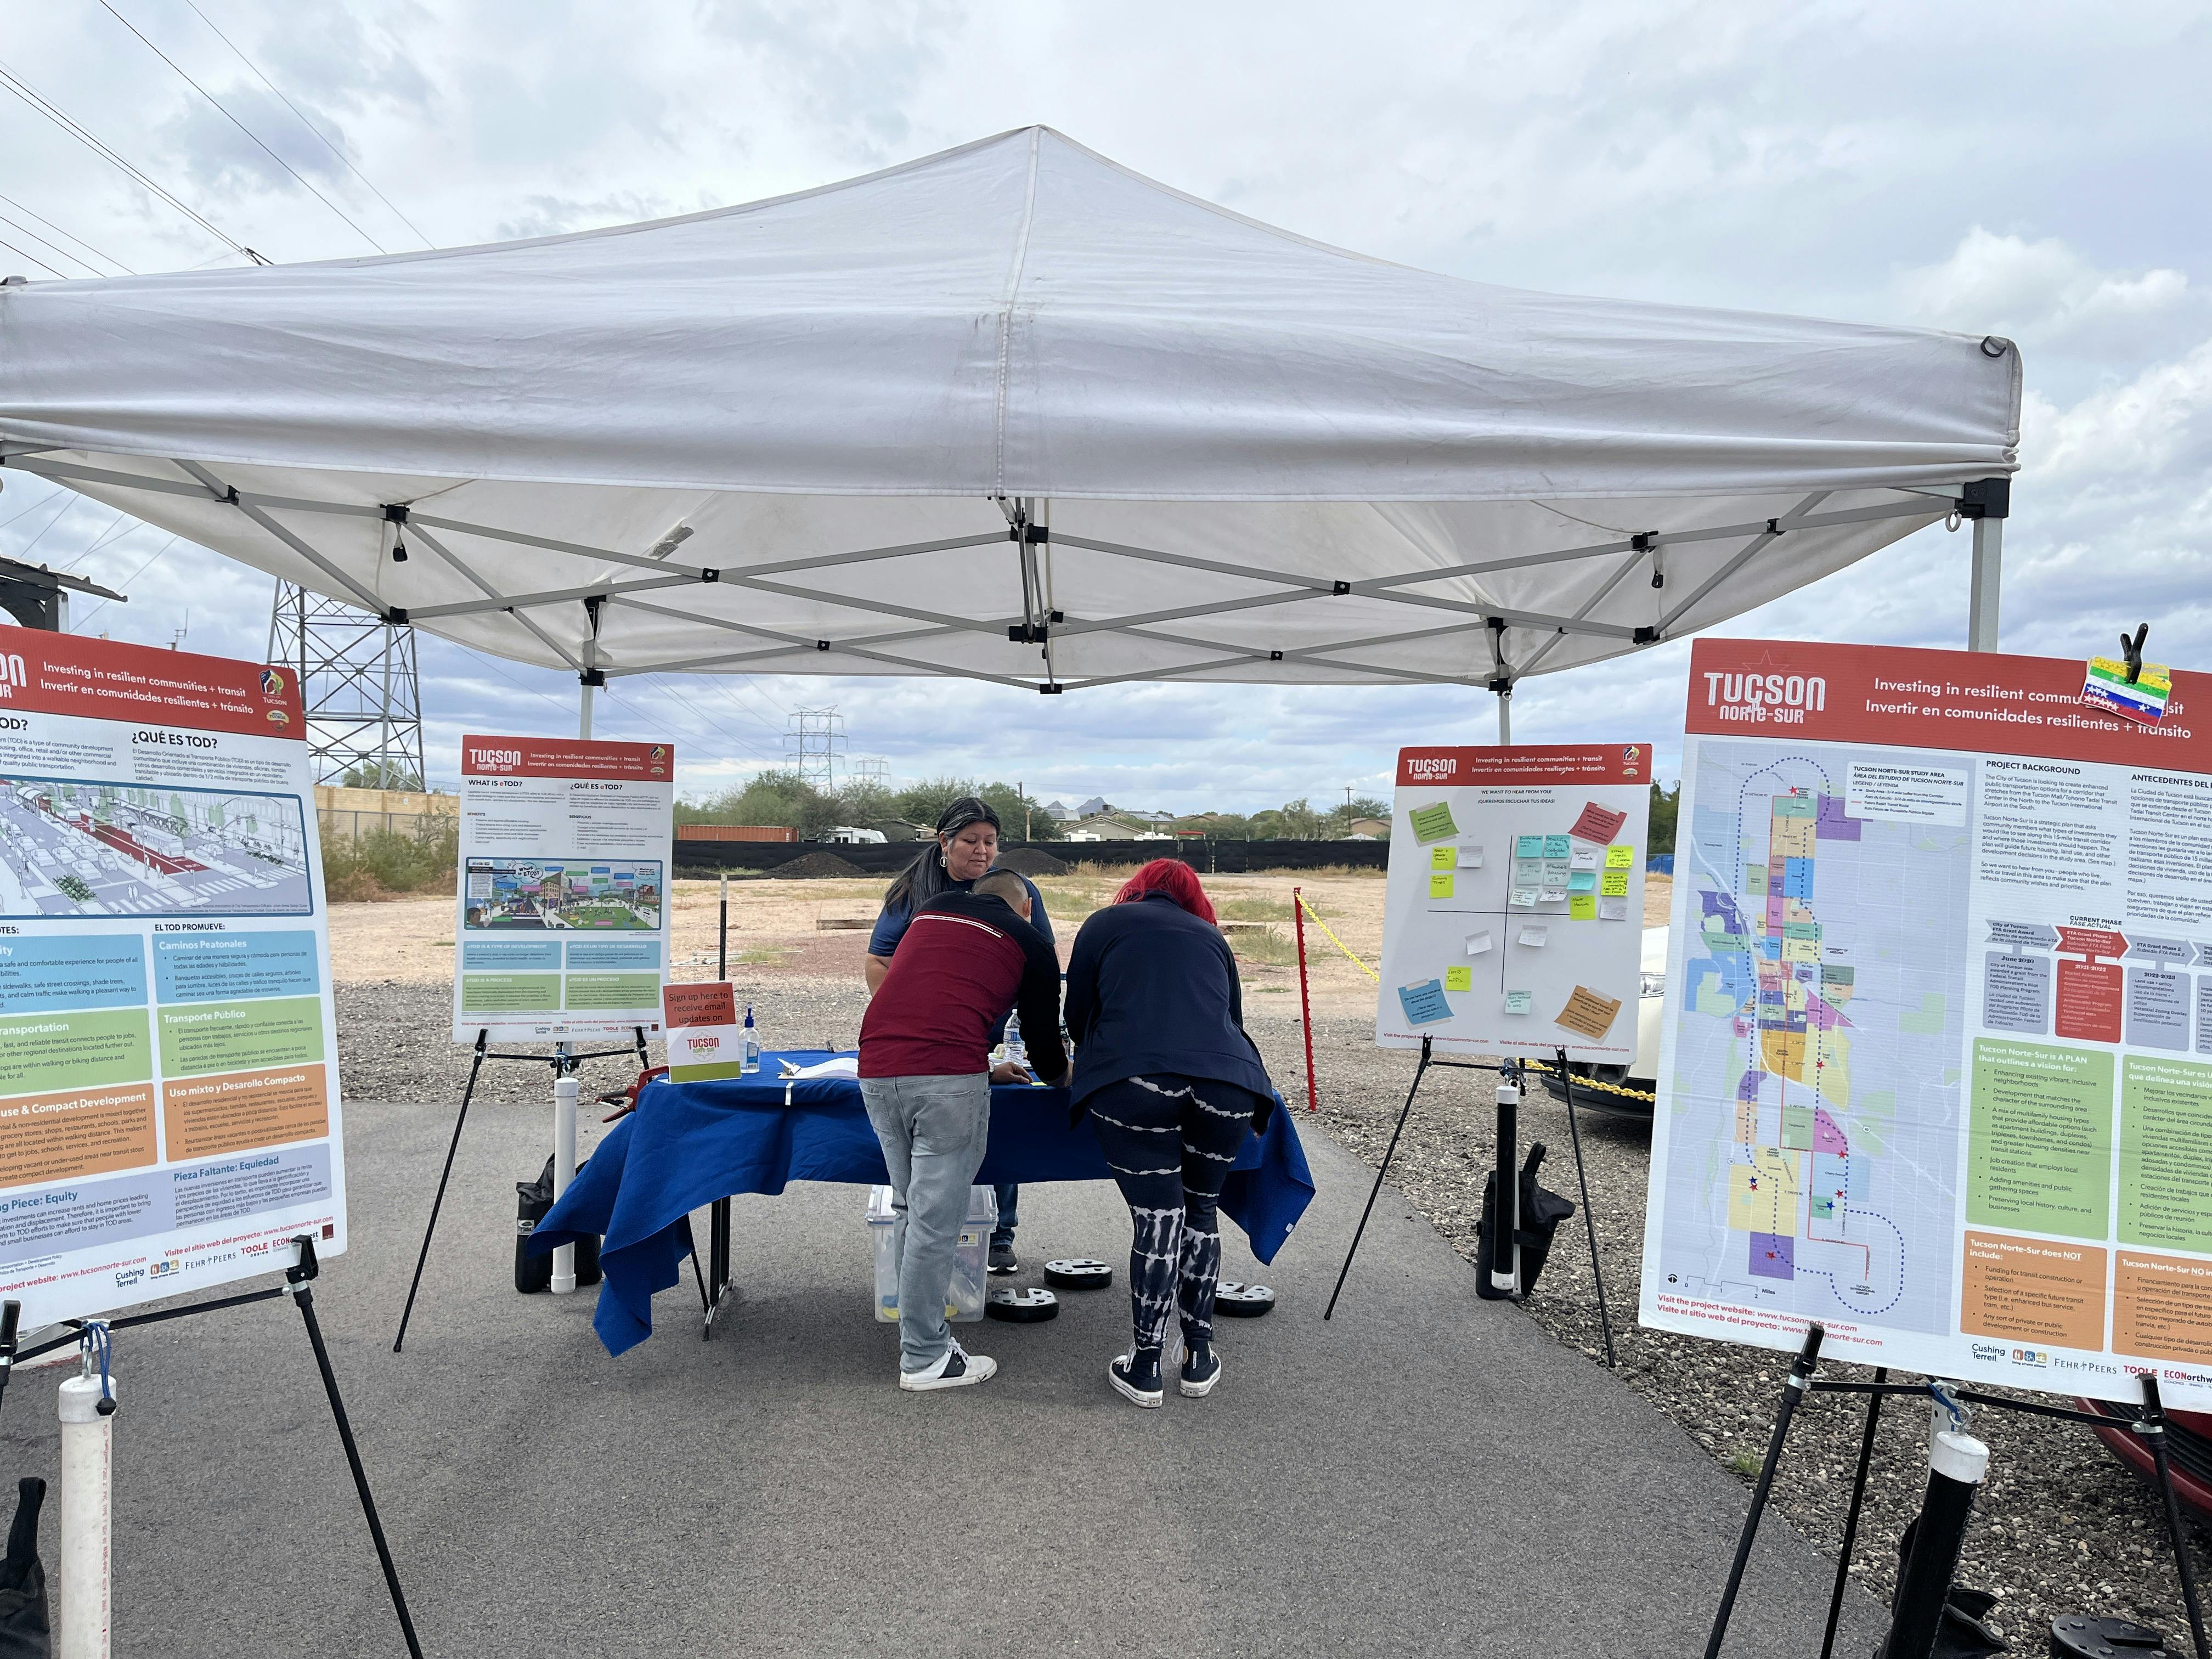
(532, 1199)
(1542, 1210)
(25, 1631)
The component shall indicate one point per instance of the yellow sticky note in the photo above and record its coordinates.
(1459, 979)
(1583, 907)
(1443, 858)
(1615, 883)
(1620, 856)
(1440, 887)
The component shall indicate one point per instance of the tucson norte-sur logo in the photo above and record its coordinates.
(272, 682)
(13, 679)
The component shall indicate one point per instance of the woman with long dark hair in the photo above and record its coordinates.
(965, 850)
(1172, 1086)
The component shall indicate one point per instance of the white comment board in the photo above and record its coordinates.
(1513, 919)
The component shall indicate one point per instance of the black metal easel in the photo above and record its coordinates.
(1589, 1216)
(2149, 1426)
(563, 1063)
(296, 1285)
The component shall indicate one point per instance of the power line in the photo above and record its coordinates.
(44, 105)
(34, 258)
(242, 127)
(102, 539)
(345, 160)
(58, 231)
(126, 582)
(67, 497)
(25, 230)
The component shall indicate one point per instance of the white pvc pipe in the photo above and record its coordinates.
(87, 1520)
(584, 711)
(1987, 585)
(1505, 718)
(564, 1171)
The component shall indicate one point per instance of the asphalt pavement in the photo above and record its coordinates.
(1426, 1473)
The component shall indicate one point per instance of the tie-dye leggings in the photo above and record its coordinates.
(1170, 1141)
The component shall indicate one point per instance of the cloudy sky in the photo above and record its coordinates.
(2035, 172)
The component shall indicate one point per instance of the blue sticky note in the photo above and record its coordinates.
(1556, 847)
(1528, 846)
(1425, 1003)
(1582, 881)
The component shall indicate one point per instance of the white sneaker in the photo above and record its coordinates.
(956, 1368)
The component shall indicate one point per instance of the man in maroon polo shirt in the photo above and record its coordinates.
(966, 959)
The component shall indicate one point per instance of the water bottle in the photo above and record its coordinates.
(1017, 1050)
(753, 1044)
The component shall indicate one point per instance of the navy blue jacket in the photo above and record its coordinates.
(1152, 989)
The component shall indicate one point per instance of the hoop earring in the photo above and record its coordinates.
(942, 862)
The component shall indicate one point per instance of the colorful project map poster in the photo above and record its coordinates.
(1937, 1068)
(1513, 918)
(562, 926)
(168, 1057)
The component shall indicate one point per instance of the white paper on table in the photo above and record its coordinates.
(1477, 944)
(1470, 858)
(1612, 909)
(1534, 936)
(836, 1065)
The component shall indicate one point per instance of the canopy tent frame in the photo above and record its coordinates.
(1985, 502)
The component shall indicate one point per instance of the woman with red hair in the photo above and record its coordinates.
(1172, 1086)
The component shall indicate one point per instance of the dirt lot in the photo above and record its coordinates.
(2061, 1527)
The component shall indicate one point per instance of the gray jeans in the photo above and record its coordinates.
(933, 1130)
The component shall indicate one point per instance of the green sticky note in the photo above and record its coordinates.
(1519, 1002)
(1459, 979)
(1615, 885)
(1443, 858)
(1583, 907)
(1582, 881)
(1528, 846)
(1433, 822)
(1558, 846)
(1620, 856)
(1440, 887)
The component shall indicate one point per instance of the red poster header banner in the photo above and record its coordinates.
(566, 757)
(1975, 701)
(1460, 769)
(43, 673)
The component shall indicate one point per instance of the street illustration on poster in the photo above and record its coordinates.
(1513, 915)
(560, 923)
(168, 1054)
(1937, 1062)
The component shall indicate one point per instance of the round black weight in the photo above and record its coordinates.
(1078, 1272)
(1022, 1307)
(1240, 1301)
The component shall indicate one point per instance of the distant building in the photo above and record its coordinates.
(1367, 829)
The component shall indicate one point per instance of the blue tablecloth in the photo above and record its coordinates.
(689, 1144)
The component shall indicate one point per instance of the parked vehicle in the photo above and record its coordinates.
(2188, 1451)
(1642, 1073)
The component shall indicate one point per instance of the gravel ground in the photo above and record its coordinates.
(2061, 1526)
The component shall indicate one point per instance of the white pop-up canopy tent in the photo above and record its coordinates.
(1010, 413)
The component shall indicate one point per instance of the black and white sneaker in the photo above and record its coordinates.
(1138, 1383)
(1004, 1261)
(956, 1369)
(1199, 1374)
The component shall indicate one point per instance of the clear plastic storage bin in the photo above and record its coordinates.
(963, 1296)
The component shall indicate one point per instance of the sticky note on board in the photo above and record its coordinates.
(1528, 846)
(1615, 882)
(1620, 856)
(1432, 823)
(1612, 909)
(1520, 1002)
(1524, 898)
(1556, 874)
(1459, 979)
(1583, 907)
(1582, 857)
(1425, 1003)
(1582, 881)
(1557, 846)
(1528, 873)
(1478, 943)
(1470, 858)
(1599, 823)
(1442, 858)
(1532, 935)
(1588, 1012)
(1440, 886)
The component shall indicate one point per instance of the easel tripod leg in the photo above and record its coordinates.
(1589, 1216)
(1793, 1389)
(476, 1065)
(1851, 1515)
(306, 1299)
(2154, 1419)
(1382, 1170)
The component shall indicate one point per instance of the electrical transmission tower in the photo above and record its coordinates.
(359, 683)
(869, 769)
(814, 743)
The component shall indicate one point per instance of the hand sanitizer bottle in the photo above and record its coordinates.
(752, 1043)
